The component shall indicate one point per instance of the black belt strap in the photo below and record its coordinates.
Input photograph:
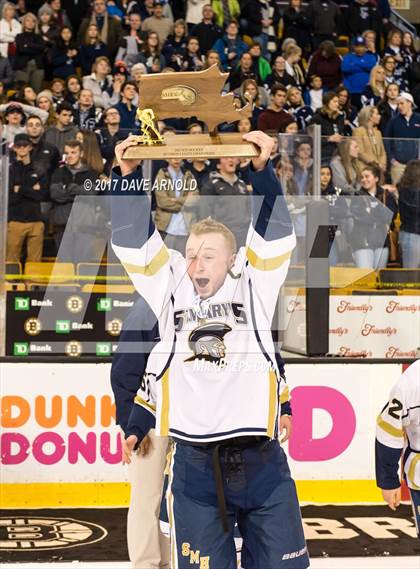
(219, 489)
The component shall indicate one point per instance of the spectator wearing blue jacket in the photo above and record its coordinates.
(126, 107)
(147, 546)
(356, 67)
(402, 137)
(230, 47)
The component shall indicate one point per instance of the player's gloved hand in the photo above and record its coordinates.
(127, 448)
(285, 426)
(392, 497)
(127, 166)
(265, 144)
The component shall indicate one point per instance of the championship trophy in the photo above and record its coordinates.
(183, 95)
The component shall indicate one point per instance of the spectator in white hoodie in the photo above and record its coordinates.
(9, 28)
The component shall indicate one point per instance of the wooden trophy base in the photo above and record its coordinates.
(230, 144)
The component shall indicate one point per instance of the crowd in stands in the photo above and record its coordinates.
(69, 88)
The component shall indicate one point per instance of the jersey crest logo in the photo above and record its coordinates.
(206, 342)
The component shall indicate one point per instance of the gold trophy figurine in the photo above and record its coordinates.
(185, 95)
(149, 130)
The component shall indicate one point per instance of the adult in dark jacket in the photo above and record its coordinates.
(363, 15)
(91, 48)
(225, 198)
(191, 59)
(79, 236)
(26, 191)
(109, 27)
(332, 124)
(414, 79)
(6, 73)
(251, 18)
(64, 55)
(395, 50)
(175, 45)
(29, 57)
(279, 74)
(372, 221)
(337, 209)
(126, 108)
(296, 107)
(85, 114)
(76, 10)
(402, 137)
(109, 136)
(409, 208)
(324, 16)
(388, 107)
(207, 32)
(326, 63)
(256, 18)
(243, 71)
(44, 155)
(297, 25)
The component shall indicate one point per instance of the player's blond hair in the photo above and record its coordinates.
(210, 225)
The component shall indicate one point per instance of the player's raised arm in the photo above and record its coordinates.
(271, 238)
(135, 239)
(389, 445)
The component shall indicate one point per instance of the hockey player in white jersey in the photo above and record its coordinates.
(212, 383)
(398, 434)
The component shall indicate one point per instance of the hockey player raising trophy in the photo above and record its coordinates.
(213, 383)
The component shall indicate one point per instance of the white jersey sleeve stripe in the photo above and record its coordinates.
(393, 431)
(284, 395)
(269, 264)
(411, 474)
(152, 267)
(140, 401)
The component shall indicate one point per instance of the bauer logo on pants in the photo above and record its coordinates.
(26, 534)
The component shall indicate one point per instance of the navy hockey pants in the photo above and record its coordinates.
(259, 494)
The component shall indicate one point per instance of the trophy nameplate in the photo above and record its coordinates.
(184, 95)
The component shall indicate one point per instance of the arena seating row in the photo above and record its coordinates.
(85, 277)
(111, 277)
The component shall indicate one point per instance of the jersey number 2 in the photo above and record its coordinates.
(395, 408)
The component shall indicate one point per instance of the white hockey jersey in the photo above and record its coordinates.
(400, 416)
(213, 375)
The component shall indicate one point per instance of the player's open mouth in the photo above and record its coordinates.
(202, 283)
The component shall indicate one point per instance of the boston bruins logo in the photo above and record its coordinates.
(206, 341)
(73, 349)
(33, 326)
(74, 304)
(113, 327)
(26, 534)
